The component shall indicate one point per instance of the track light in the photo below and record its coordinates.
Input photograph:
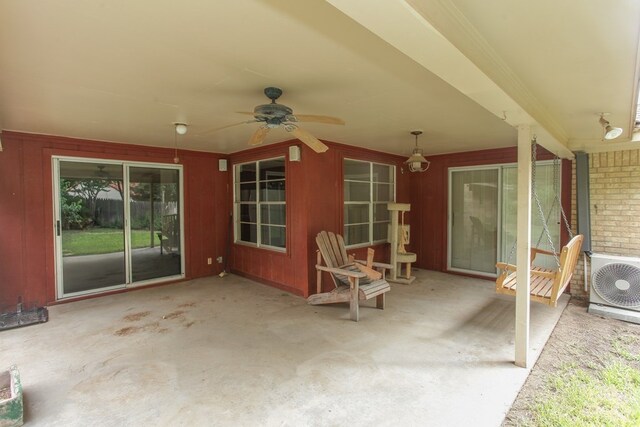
(610, 132)
(417, 162)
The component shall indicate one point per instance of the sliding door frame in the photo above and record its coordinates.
(57, 234)
(496, 167)
(499, 229)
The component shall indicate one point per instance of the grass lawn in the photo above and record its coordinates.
(102, 241)
(605, 395)
(588, 375)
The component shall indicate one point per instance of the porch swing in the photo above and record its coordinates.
(547, 285)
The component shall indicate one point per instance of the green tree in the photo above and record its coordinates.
(70, 206)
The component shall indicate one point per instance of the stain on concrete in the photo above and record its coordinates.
(187, 304)
(151, 326)
(134, 317)
(188, 325)
(127, 331)
(173, 315)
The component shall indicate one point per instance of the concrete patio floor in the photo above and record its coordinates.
(229, 351)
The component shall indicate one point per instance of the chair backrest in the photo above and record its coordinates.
(333, 251)
(568, 260)
(332, 248)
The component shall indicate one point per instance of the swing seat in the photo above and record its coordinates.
(547, 285)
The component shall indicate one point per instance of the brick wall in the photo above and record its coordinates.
(614, 181)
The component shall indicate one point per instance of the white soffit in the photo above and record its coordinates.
(426, 32)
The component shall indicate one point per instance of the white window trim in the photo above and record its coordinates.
(369, 203)
(257, 203)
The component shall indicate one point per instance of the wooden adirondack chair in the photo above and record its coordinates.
(354, 280)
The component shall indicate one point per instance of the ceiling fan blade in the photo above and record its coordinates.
(259, 135)
(208, 131)
(317, 119)
(314, 143)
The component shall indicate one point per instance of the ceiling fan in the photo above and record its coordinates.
(275, 115)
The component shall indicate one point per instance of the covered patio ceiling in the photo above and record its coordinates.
(465, 72)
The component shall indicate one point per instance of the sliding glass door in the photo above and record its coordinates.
(117, 224)
(474, 204)
(550, 204)
(90, 226)
(482, 216)
(155, 222)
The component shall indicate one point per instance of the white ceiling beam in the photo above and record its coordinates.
(436, 35)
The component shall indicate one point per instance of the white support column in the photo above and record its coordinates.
(524, 246)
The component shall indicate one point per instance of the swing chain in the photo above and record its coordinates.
(534, 192)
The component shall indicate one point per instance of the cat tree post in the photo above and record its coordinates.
(398, 237)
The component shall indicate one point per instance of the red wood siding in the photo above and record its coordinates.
(27, 266)
(314, 203)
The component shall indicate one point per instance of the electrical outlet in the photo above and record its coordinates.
(209, 261)
(219, 259)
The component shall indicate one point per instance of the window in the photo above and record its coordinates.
(368, 187)
(260, 206)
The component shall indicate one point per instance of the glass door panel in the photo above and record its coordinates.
(474, 219)
(546, 190)
(154, 209)
(90, 226)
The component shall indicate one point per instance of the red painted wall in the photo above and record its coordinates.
(26, 209)
(429, 199)
(314, 203)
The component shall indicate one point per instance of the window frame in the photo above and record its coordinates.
(258, 203)
(370, 203)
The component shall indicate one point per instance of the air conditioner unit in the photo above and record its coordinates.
(615, 287)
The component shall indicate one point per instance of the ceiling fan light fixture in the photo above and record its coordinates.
(610, 132)
(181, 128)
(417, 162)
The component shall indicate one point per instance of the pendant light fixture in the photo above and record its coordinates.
(180, 129)
(610, 132)
(417, 162)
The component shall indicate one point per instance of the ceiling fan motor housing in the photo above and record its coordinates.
(276, 113)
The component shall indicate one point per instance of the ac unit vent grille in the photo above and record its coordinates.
(618, 284)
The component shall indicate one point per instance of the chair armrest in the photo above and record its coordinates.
(375, 264)
(506, 267)
(510, 267)
(543, 252)
(348, 273)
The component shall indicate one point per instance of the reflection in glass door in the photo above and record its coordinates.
(90, 226)
(155, 222)
(117, 224)
(546, 189)
(482, 216)
(474, 219)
